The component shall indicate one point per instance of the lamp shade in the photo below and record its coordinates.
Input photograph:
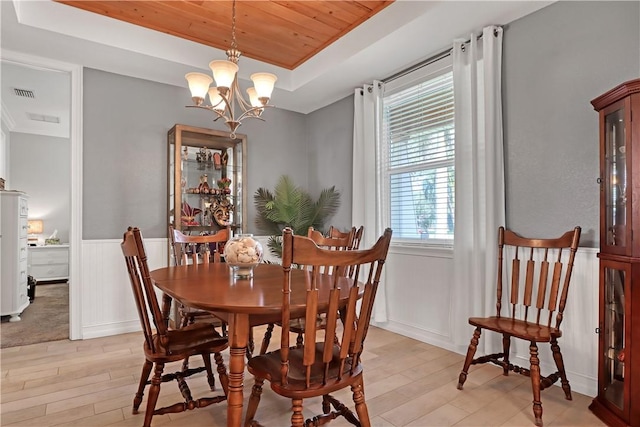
(216, 99)
(223, 72)
(35, 226)
(264, 83)
(198, 84)
(253, 97)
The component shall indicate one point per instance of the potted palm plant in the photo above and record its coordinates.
(291, 206)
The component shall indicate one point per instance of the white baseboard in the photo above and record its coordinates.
(420, 334)
(109, 329)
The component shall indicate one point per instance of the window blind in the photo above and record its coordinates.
(418, 149)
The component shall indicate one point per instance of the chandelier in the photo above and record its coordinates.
(226, 98)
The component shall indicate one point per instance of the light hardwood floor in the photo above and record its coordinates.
(407, 383)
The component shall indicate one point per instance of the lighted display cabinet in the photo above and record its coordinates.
(618, 399)
(206, 178)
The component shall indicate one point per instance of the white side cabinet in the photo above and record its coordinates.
(13, 229)
(49, 262)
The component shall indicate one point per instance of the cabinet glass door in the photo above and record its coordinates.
(206, 180)
(615, 170)
(614, 337)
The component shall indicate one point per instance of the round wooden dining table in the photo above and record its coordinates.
(242, 303)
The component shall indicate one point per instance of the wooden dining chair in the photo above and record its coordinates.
(197, 249)
(321, 367)
(166, 345)
(356, 234)
(535, 273)
(297, 326)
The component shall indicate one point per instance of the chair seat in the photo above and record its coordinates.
(298, 325)
(191, 340)
(269, 366)
(516, 328)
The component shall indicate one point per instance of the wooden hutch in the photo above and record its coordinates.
(618, 399)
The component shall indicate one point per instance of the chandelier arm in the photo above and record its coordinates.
(219, 115)
(250, 114)
(229, 108)
(244, 105)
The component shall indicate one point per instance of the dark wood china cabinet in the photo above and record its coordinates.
(618, 399)
(206, 177)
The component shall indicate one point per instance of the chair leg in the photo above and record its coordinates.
(361, 406)
(206, 358)
(471, 351)
(250, 345)
(222, 373)
(506, 347)
(535, 383)
(154, 391)
(144, 377)
(299, 340)
(297, 419)
(267, 338)
(557, 357)
(326, 404)
(254, 400)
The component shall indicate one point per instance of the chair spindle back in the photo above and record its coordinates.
(189, 247)
(355, 233)
(142, 286)
(366, 267)
(538, 274)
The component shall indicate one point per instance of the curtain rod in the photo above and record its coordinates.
(437, 57)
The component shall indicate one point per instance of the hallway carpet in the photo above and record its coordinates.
(46, 319)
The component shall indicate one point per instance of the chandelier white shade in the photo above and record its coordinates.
(224, 72)
(225, 97)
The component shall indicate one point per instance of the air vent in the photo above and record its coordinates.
(26, 93)
(43, 118)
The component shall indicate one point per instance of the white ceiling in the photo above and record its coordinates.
(402, 34)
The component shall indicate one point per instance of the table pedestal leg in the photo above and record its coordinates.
(238, 339)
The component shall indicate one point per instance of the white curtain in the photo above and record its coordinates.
(365, 193)
(479, 166)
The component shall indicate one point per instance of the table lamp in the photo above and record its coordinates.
(34, 228)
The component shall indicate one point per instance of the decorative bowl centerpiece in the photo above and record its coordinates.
(243, 253)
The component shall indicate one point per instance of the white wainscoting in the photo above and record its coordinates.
(418, 294)
(108, 307)
(419, 297)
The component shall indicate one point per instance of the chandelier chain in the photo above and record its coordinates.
(234, 45)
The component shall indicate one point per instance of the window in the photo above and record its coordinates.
(417, 148)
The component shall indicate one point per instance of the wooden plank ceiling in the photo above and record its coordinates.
(282, 33)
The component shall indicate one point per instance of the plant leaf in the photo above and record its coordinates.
(291, 206)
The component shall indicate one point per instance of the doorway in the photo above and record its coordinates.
(31, 171)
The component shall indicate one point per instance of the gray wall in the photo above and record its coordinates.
(556, 61)
(330, 138)
(41, 167)
(125, 152)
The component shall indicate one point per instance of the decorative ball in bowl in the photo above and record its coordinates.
(243, 253)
